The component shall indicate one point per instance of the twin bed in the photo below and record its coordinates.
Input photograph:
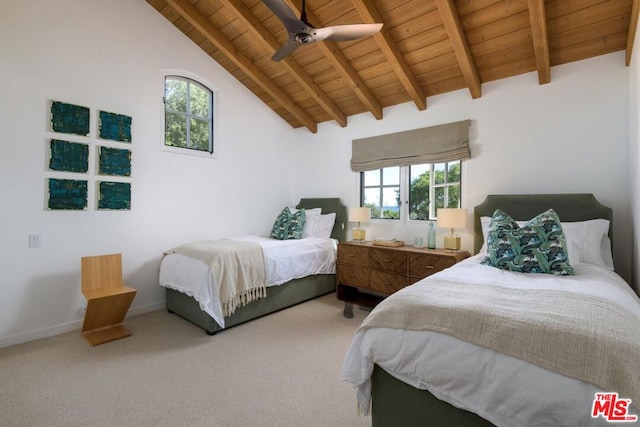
(295, 270)
(476, 345)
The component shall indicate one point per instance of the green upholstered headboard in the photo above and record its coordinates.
(522, 207)
(329, 205)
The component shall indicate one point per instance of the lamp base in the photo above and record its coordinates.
(358, 234)
(452, 243)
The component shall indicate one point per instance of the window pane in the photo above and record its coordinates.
(439, 195)
(188, 114)
(438, 173)
(454, 172)
(372, 200)
(199, 101)
(419, 192)
(176, 130)
(454, 196)
(199, 135)
(176, 95)
(391, 176)
(391, 202)
(372, 178)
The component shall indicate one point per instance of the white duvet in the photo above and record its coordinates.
(502, 389)
(285, 260)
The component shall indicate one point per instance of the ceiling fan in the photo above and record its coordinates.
(301, 32)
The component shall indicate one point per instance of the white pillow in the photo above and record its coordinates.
(311, 222)
(587, 241)
(325, 225)
(592, 241)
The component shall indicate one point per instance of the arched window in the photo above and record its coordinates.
(188, 118)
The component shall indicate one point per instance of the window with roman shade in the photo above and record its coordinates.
(434, 144)
(407, 176)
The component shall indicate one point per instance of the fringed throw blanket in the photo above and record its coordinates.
(576, 335)
(238, 268)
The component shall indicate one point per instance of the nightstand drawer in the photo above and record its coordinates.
(389, 260)
(423, 265)
(354, 276)
(354, 255)
(387, 283)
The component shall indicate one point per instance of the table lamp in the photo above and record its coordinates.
(452, 218)
(359, 215)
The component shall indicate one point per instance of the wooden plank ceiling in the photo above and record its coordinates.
(425, 48)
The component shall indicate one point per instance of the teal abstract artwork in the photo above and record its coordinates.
(114, 195)
(114, 161)
(116, 127)
(68, 156)
(67, 194)
(69, 118)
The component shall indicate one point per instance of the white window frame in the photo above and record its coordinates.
(213, 113)
(404, 195)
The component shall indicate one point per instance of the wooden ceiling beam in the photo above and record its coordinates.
(253, 25)
(538, 18)
(387, 44)
(213, 35)
(633, 26)
(342, 65)
(452, 25)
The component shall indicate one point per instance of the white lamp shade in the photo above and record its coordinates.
(452, 218)
(359, 214)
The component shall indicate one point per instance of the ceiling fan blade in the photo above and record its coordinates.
(285, 50)
(291, 22)
(341, 33)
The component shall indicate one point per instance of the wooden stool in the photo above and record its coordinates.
(108, 299)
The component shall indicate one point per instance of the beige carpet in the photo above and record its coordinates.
(280, 370)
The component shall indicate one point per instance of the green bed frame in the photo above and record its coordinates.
(395, 403)
(278, 297)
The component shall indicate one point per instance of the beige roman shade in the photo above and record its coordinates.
(435, 144)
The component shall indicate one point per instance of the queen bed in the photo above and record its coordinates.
(476, 345)
(295, 271)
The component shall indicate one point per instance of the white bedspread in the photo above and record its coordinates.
(285, 260)
(502, 389)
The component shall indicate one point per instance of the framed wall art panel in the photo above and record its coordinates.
(114, 195)
(68, 156)
(67, 194)
(69, 118)
(116, 127)
(114, 161)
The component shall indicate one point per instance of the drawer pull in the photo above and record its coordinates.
(352, 256)
(387, 260)
(386, 283)
(431, 267)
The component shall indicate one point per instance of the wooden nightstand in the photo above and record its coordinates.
(366, 273)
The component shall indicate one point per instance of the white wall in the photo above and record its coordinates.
(110, 55)
(571, 135)
(634, 137)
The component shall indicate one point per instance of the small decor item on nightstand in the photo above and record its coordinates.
(418, 243)
(388, 241)
(452, 218)
(359, 215)
(431, 237)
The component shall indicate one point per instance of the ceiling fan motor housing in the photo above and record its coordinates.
(304, 38)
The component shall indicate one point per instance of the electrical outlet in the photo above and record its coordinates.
(35, 240)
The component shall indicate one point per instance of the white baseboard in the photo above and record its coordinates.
(69, 327)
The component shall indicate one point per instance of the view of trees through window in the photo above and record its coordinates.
(428, 187)
(188, 114)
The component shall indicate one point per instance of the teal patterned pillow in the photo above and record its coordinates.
(539, 246)
(288, 225)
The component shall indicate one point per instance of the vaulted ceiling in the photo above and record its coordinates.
(425, 48)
